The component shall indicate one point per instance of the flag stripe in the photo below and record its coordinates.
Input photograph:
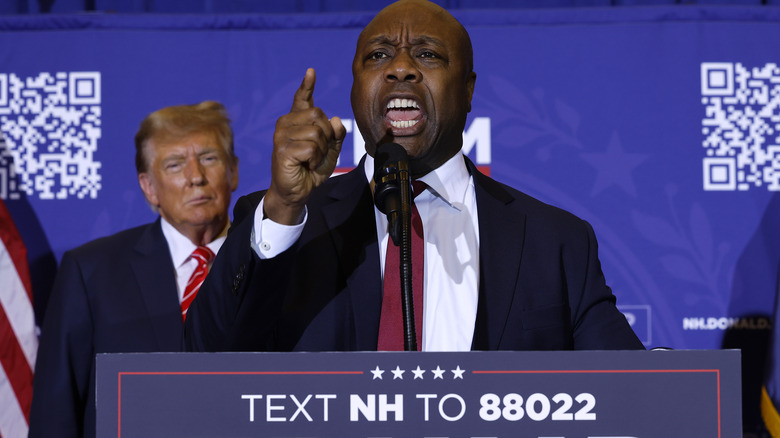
(12, 422)
(769, 413)
(15, 248)
(16, 303)
(17, 370)
(18, 340)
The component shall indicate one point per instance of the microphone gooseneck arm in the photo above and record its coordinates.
(405, 252)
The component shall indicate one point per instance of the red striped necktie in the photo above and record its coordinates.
(203, 256)
(391, 329)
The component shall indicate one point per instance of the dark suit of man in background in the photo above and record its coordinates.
(122, 293)
(302, 270)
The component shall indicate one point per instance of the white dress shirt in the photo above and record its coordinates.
(181, 248)
(448, 210)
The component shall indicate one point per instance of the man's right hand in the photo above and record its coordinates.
(306, 148)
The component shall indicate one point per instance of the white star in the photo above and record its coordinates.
(418, 373)
(438, 373)
(457, 373)
(398, 373)
(377, 373)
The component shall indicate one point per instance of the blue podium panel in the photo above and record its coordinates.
(368, 394)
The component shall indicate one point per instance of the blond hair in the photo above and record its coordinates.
(175, 122)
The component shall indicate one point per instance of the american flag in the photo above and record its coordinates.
(18, 340)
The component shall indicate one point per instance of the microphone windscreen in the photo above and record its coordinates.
(388, 154)
(387, 189)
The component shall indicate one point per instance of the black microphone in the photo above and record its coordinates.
(391, 164)
(392, 196)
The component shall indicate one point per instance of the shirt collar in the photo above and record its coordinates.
(449, 181)
(182, 247)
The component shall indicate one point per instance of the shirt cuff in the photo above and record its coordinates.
(269, 238)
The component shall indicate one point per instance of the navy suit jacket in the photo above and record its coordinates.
(114, 294)
(540, 288)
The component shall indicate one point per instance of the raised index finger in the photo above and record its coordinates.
(303, 95)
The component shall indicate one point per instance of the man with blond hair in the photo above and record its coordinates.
(130, 292)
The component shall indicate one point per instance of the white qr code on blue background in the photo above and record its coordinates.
(741, 126)
(50, 127)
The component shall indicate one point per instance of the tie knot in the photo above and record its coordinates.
(418, 187)
(203, 254)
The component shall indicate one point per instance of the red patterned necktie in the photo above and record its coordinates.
(391, 329)
(203, 255)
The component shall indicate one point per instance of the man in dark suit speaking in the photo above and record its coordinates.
(303, 266)
(129, 292)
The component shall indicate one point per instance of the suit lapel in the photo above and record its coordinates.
(153, 270)
(352, 224)
(501, 238)
(349, 215)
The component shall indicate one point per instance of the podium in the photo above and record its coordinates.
(558, 394)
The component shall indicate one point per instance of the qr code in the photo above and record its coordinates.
(49, 131)
(741, 126)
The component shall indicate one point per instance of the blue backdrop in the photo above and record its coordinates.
(659, 125)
